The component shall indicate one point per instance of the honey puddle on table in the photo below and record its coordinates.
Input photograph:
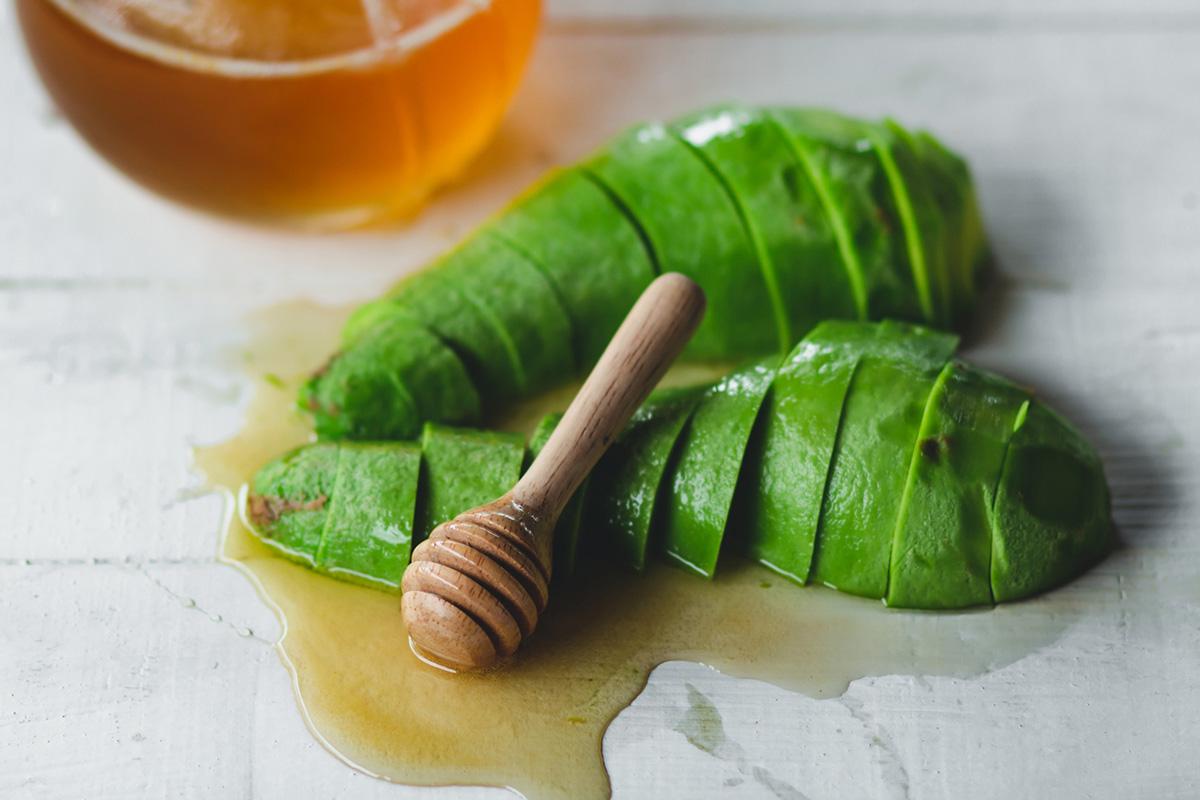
(537, 724)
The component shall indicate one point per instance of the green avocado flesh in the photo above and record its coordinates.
(865, 459)
(289, 500)
(506, 284)
(466, 324)
(707, 464)
(782, 213)
(587, 248)
(963, 242)
(345, 509)
(882, 414)
(919, 218)
(694, 228)
(462, 469)
(1052, 515)
(941, 553)
(784, 471)
(392, 378)
(784, 216)
(368, 534)
(845, 165)
(566, 532)
(625, 484)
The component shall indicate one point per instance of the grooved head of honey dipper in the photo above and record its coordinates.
(475, 587)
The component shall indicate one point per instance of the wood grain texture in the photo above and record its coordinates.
(121, 327)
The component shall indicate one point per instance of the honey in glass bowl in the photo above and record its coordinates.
(331, 113)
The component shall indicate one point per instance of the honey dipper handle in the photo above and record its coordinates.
(654, 332)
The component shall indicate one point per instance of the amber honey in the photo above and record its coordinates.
(333, 112)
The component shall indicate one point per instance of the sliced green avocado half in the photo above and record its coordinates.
(462, 469)
(1052, 514)
(707, 464)
(388, 381)
(941, 553)
(625, 485)
(849, 176)
(566, 532)
(593, 256)
(782, 213)
(775, 509)
(503, 282)
(869, 466)
(288, 500)
(368, 535)
(694, 228)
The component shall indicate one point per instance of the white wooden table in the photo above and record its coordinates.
(134, 665)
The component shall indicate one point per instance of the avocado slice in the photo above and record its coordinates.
(694, 228)
(708, 460)
(775, 508)
(289, 497)
(846, 171)
(368, 533)
(964, 241)
(941, 553)
(782, 212)
(363, 318)
(919, 218)
(462, 469)
(625, 485)
(388, 381)
(1052, 514)
(884, 407)
(566, 532)
(501, 281)
(465, 323)
(594, 257)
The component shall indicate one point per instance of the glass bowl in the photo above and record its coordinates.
(325, 113)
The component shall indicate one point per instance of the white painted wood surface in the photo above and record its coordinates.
(133, 665)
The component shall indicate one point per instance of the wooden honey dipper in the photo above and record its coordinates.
(475, 588)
